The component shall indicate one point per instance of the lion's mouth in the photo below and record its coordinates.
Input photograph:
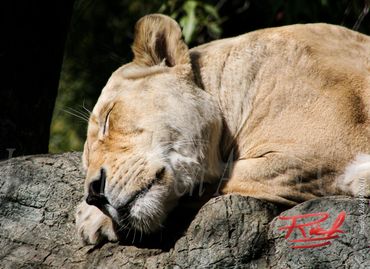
(124, 209)
(140, 193)
(134, 212)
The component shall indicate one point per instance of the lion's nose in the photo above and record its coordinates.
(96, 195)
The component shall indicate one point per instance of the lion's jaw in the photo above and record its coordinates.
(152, 139)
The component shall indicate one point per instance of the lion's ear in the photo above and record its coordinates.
(158, 39)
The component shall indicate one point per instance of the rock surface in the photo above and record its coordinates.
(38, 196)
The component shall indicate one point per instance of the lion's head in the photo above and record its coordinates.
(153, 133)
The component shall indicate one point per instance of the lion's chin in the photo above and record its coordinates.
(139, 221)
(146, 214)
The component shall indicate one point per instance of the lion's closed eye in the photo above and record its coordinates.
(105, 123)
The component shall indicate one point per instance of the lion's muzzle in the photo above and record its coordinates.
(136, 208)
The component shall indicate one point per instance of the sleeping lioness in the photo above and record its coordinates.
(289, 106)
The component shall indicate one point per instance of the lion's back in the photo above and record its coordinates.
(333, 44)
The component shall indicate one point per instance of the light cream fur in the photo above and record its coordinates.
(291, 105)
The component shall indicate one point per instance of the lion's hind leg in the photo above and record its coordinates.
(355, 180)
(272, 178)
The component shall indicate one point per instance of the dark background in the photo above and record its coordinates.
(93, 37)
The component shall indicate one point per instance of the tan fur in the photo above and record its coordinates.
(305, 109)
(289, 105)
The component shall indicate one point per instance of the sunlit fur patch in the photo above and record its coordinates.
(132, 71)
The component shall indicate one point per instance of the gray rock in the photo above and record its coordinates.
(350, 250)
(38, 196)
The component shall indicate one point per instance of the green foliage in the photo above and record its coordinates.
(102, 32)
(198, 19)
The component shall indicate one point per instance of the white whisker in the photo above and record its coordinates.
(141, 236)
(76, 115)
(128, 231)
(87, 110)
(133, 240)
(81, 113)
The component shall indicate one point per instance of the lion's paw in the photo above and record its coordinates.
(93, 226)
